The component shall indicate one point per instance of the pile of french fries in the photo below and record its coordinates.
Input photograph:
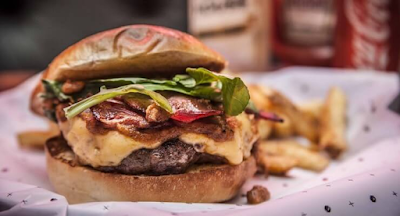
(321, 123)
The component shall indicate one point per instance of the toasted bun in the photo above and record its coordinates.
(136, 50)
(203, 184)
(131, 51)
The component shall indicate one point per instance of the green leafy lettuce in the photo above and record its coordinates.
(53, 90)
(235, 95)
(105, 94)
(199, 82)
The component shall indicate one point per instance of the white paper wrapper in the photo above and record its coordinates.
(365, 181)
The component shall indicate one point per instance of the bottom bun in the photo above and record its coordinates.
(200, 184)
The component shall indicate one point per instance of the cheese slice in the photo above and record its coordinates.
(111, 148)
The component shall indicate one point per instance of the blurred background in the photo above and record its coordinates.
(254, 35)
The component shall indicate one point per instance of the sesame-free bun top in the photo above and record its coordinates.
(135, 50)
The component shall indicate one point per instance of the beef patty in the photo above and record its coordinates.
(172, 157)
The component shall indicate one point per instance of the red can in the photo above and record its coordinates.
(368, 34)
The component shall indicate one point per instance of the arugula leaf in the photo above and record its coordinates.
(185, 80)
(235, 95)
(206, 92)
(131, 80)
(202, 75)
(181, 83)
(53, 90)
(199, 82)
(105, 94)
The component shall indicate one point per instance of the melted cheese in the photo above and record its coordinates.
(111, 148)
(234, 150)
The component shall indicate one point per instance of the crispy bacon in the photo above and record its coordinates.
(183, 102)
(141, 112)
(189, 116)
(138, 102)
(187, 109)
(113, 115)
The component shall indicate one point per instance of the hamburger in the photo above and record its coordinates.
(145, 115)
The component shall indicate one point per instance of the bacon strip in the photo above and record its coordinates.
(142, 112)
(187, 117)
(113, 115)
(187, 109)
(138, 102)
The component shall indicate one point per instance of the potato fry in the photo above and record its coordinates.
(258, 97)
(333, 123)
(36, 139)
(322, 123)
(271, 100)
(312, 108)
(314, 147)
(284, 129)
(264, 128)
(275, 164)
(306, 158)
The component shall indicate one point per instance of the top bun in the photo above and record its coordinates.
(136, 50)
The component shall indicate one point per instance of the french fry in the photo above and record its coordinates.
(275, 164)
(258, 97)
(312, 108)
(36, 139)
(269, 99)
(284, 129)
(333, 123)
(322, 123)
(313, 147)
(306, 158)
(264, 129)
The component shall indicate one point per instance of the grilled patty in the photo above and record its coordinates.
(172, 157)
